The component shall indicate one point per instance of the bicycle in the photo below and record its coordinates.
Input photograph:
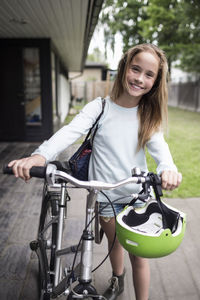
(56, 280)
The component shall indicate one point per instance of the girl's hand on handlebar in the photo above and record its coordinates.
(22, 166)
(170, 179)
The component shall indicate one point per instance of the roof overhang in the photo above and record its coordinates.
(68, 23)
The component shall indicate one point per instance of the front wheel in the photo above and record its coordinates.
(47, 240)
(83, 289)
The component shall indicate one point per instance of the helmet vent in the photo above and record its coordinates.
(134, 218)
(132, 243)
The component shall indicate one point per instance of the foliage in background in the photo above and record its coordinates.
(96, 56)
(123, 17)
(191, 46)
(174, 25)
(183, 139)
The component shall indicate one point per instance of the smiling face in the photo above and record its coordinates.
(141, 74)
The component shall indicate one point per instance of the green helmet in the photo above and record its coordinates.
(142, 233)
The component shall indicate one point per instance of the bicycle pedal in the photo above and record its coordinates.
(34, 245)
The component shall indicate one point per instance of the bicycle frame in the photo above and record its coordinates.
(62, 205)
(85, 276)
(88, 238)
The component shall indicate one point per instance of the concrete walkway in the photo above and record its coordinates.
(175, 277)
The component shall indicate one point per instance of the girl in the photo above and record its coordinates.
(132, 120)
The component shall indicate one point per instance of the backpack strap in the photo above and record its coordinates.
(97, 120)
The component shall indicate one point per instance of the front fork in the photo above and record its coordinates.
(87, 243)
(62, 212)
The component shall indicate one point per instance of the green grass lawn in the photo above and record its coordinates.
(184, 141)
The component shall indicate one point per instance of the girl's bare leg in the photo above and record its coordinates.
(141, 276)
(140, 266)
(117, 253)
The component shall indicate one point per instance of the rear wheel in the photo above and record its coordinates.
(47, 242)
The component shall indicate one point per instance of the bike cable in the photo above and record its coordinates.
(75, 255)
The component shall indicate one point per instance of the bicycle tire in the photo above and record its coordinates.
(81, 288)
(47, 241)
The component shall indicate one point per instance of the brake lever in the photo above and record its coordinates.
(157, 184)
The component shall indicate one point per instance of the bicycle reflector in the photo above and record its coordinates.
(152, 231)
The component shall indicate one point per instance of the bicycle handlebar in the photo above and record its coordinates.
(99, 184)
(39, 172)
(51, 173)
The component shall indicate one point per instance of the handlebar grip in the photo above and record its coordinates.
(8, 170)
(159, 180)
(39, 172)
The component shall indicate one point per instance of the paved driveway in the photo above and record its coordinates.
(176, 277)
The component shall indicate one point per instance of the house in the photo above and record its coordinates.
(95, 80)
(40, 43)
(92, 71)
(83, 83)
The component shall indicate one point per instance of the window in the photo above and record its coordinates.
(32, 86)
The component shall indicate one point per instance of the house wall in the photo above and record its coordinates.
(64, 97)
(61, 91)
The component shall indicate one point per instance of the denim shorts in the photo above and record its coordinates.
(106, 210)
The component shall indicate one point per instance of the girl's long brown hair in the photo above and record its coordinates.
(152, 108)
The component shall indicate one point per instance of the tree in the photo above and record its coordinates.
(190, 54)
(174, 25)
(123, 17)
(96, 56)
(162, 26)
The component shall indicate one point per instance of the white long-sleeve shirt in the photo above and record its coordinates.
(114, 147)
